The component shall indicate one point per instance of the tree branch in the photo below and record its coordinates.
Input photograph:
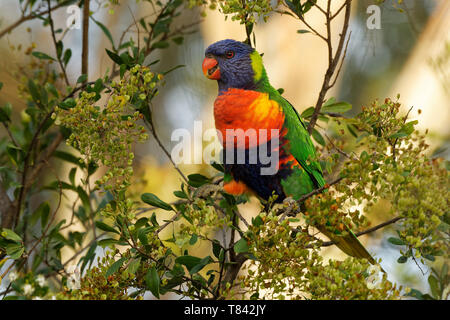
(58, 56)
(31, 16)
(332, 61)
(85, 40)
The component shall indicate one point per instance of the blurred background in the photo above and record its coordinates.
(408, 55)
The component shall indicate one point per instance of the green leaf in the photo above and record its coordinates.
(398, 135)
(10, 235)
(353, 130)
(51, 88)
(396, 241)
(41, 55)
(123, 69)
(415, 294)
(216, 248)
(193, 239)
(203, 262)
(178, 40)
(33, 90)
(193, 264)
(338, 107)
(67, 56)
(72, 174)
(318, 137)
(142, 234)
(402, 259)
(429, 257)
(84, 198)
(134, 265)
(160, 45)
(307, 113)
(197, 180)
(82, 78)
(303, 31)
(180, 194)
(68, 103)
(114, 57)
(89, 257)
(153, 200)
(4, 116)
(188, 261)
(103, 226)
(45, 212)
(405, 130)
(218, 166)
(434, 286)
(105, 31)
(14, 250)
(115, 267)
(107, 242)
(69, 158)
(59, 48)
(152, 280)
(257, 221)
(241, 246)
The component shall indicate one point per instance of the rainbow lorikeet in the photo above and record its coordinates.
(247, 101)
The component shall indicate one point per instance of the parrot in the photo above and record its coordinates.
(247, 101)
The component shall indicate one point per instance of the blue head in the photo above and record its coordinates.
(230, 63)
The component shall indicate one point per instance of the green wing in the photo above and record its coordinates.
(303, 150)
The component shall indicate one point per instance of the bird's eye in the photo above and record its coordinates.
(229, 54)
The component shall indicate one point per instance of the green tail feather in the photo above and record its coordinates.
(349, 244)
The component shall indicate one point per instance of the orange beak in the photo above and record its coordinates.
(211, 69)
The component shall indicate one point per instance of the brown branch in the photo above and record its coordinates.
(342, 61)
(85, 40)
(58, 56)
(151, 126)
(302, 19)
(10, 214)
(175, 217)
(332, 61)
(44, 159)
(381, 225)
(233, 269)
(338, 11)
(30, 16)
(6, 208)
(320, 8)
(26, 167)
(148, 49)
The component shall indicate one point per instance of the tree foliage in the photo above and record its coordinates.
(376, 155)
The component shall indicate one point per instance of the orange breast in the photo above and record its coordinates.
(249, 112)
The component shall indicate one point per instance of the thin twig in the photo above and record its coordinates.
(58, 56)
(332, 61)
(31, 16)
(175, 217)
(151, 126)
(85, 40)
